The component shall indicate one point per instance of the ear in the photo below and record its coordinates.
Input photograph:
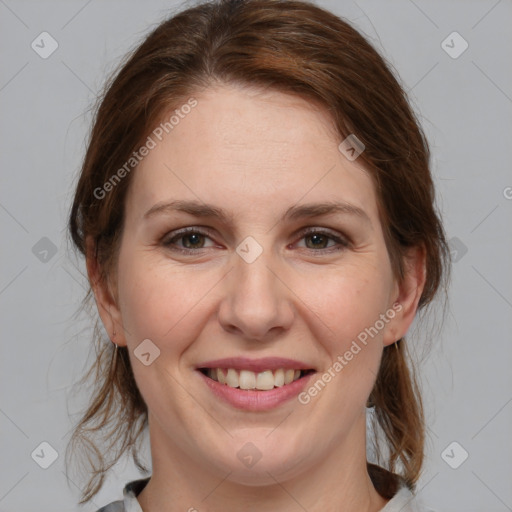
(406, 295)
(105, 300)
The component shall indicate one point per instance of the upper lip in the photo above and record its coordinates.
(256, 365)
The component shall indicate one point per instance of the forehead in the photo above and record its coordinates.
(246, 149)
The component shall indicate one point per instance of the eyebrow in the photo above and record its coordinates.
(200, 209)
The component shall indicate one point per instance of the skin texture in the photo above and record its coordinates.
(254, 154)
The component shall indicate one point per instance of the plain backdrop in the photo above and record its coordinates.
(464, 100)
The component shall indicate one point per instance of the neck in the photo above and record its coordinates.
(339, 482)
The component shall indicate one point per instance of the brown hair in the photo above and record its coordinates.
(298, 48)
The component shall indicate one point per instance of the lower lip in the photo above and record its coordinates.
(252, 400)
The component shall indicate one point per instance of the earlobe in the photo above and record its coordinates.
(105, 302)
(407, 294)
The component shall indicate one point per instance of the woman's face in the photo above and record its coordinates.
(273, 277)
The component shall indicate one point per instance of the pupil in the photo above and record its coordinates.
(317, 239)
(193, 236)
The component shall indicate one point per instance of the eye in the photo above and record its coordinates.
(192, 239)
(319, 238)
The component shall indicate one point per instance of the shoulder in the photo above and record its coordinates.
(405, 501)
(115, 506)
(394, 488)
(129, 502)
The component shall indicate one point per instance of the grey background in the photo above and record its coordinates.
(465, 106)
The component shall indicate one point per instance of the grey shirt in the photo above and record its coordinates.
(403, 501)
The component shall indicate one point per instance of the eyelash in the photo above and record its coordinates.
(168, 242)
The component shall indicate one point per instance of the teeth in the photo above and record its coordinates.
(221, 377)
(265, 380)
(279, 378)
(232, 378)
(288, 376)
(245, 379)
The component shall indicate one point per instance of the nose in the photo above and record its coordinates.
(257, 304)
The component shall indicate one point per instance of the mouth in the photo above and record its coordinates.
(255, 385)
(255, 381)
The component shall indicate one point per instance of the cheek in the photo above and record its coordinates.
(347, 306)
(159, 302)
(345, 301)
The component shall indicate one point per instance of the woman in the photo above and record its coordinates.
(257, 215)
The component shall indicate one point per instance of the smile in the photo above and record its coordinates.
(255, 384)
(246, 379)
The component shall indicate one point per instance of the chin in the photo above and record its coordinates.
(262, 473)
(257, 461)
